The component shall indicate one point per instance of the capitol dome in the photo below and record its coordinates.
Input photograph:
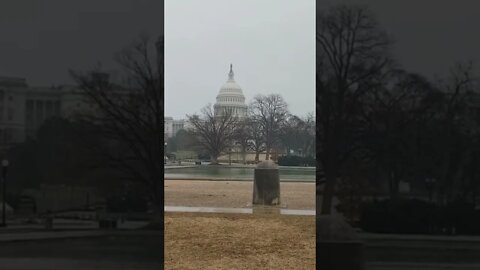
(231, 98)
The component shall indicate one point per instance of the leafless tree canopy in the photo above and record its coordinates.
(255, 134)
(389, 115)
(459, 88)
(353, 58)
(243, 137)
(298, 133)
(269, 112)
(129, 114)
(214, 132)
(352, 48)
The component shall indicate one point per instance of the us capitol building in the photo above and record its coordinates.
(229, 98)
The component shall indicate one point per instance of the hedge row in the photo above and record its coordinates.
(420, 217)
(296, 161)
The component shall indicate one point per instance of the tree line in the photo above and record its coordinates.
(116, 145)
(379, 124)
(267, 128)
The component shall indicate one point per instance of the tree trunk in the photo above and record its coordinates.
(257, 155)
(327, 195)
(330, 170)
(393, 185)
(214, 160)
(157, 210)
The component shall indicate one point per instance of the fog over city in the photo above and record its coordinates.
(270, 43)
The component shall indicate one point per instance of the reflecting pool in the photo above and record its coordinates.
(299, 174)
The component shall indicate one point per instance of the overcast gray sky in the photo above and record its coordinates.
(271, 44)
(268, 42)
(41, 40)
(430, 35)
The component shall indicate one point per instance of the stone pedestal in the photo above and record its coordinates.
(338, 246)
(266, 184)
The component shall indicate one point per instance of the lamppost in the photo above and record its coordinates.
(165, 154)
(4, 192)
(430, 182)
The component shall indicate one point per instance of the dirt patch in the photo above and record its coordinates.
(233, 193)
(239, 241)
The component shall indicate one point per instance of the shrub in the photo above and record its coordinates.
(296, 161)
(415, 216)
(398, 216)
(129, 203)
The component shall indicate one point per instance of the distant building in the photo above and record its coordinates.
(231, 98)
(173, 126)
(168, 127)
(23, 109)
(177, 125)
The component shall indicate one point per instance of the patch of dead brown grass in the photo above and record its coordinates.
(233, 193)
(236, 241)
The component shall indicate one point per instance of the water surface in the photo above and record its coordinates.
(299, 174)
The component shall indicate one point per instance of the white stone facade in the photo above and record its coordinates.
(172, 126)
(231, 98)
(23, 109)
(168, 126)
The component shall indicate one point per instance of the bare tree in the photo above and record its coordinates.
(270, 112)
(298, 133)
(353, 55)
(392, 114)
(129, 116)
(243, 137)
(256, 135)
(290, 133)
(307, 134)
(215, 133)
(459, 88)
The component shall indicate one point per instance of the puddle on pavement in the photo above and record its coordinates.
(270, 210)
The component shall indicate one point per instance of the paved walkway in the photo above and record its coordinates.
(180, 166)
(72, 264)
(69, 224)
(420, 266)
(298, 212)
(9, 237)
(47, 235)
(419, 237)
